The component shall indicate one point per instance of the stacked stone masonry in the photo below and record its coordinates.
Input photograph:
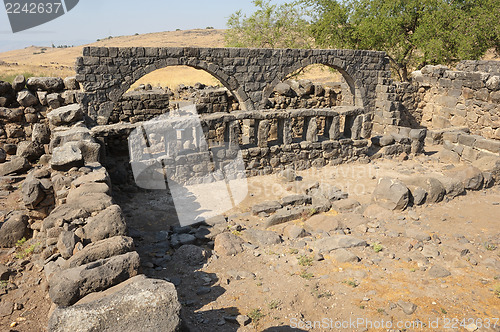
(249, 74)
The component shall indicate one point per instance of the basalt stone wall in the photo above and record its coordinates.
(328, 136)
(25, 107)
(457, 98)
(249, 74)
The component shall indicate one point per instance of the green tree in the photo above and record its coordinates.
(413, 33)
(270, 26)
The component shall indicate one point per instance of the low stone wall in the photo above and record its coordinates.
(462, 145)
(24, 108)
(456, 98)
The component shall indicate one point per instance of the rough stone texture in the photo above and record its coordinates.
(70, 285)
(417, 234)
(322, 222)
(260, 237)
(437, 271)
(13, 229)
(344, 256)
(116, 245)
(16, 165)
(45, 83)
(346, 205)
(67, 156)
(434, 188)
(138, 304)
(26, 98)
(284, 215)
(65, 115)
(391, 194)
(228, 244)
(266, 207)
(362, 70)
(471, 177)
(337, 242)
(40, 133)
(66, 243)
(191, 255)
(105, 224)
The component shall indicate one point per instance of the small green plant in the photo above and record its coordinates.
(496, 290)
(20, 243)
(274, 304)
(237, 233)
(259, 284)
(294, 251)
(256, 315)
(305, 260)
(3, 284)
(443, 310)
(26, 252)
(306, 275)
(351, 283)
(381, 310)
(377, 247)
(412, 270)
(361, 307)
(489, 246)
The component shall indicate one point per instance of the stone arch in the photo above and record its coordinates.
(227, 81)
(355, 89)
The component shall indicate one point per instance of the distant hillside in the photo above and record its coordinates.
(48, 61)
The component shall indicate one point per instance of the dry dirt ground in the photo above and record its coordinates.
(281, 285)
(286, 285)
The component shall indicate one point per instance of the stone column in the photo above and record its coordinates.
(357, 125)
(263, 133)
(232, 134)
(333, 127)
(284, 131)
(311, 130)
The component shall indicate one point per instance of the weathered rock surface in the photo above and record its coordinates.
(337, 242)
(16, 165)
(138, 304)
(45, 83)
(65, 115)
(266, 207)
(67, 156)
(260, 237)
(391, 194)
(322, 222)
(191, 255)
(68, 286)
(228, 244)
(13, 229)
(470, 176)
(116, 245)
(105, 224)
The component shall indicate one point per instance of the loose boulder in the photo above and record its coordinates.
(391, 194)
(16, 165)
(116, 245)
(65, 115)
(68, 286)
(228, 244)
(13, 229)
(138, 304)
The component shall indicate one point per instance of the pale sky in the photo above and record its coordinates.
(95, 19)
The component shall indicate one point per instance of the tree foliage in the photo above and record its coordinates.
(270, 26)
(413, 33)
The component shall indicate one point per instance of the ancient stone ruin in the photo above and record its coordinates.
(66, 141)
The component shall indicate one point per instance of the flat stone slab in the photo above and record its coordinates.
(337, 242)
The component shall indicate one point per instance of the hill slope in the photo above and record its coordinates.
(47, 61)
